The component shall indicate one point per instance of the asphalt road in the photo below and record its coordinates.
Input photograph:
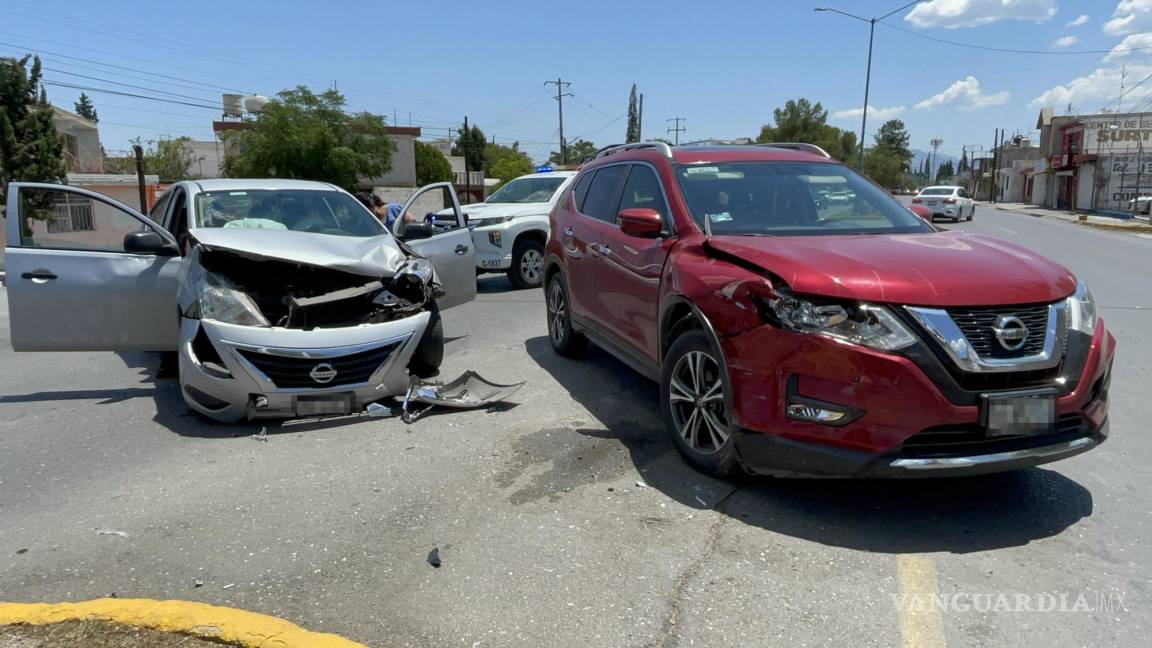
(546, 537)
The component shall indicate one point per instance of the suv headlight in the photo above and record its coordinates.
(1082, 309)
(219, 299)
(865, 324)
(487, 222)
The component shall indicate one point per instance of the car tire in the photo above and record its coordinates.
(694, 403)
(565, 340)
(972, 213)
(527, 269)
(429, 353)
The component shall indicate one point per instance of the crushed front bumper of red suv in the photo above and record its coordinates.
(911, 413)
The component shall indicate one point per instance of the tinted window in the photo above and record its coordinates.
(643, 191)
(69, 221)
(600, 203)
(321, 212)
(791, 199)
(528, 190)
(157, 212)
(581, 189)
(937, 191)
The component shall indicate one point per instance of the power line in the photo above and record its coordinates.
(129, 85)
(1009, 50)
(676, 129)
(62, 84)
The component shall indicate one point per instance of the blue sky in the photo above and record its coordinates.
(722, 66)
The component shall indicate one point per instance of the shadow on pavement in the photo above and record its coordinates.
(957, 515)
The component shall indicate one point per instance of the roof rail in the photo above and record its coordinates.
(664, 149)
(798, 146)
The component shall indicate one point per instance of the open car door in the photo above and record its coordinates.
(86, 273)
(432, 224)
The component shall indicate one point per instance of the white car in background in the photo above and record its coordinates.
(947, 201)
(509, 229)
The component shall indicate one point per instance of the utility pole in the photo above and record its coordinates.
(677, 128)
(561, 84)
(465, 145)
(995, 164)
(138, 152)
(935, 142)
(640, 119)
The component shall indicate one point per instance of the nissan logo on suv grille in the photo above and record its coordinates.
(1010, 332)
(323, 373)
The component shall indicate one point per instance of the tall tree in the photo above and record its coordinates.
(633, 132)
(578, 152)
(803, 121)
(507, 162)
(884, 167)
(946, 170)
(893, 139)
(963, 166)
(30, 148)
(309, 136)
(170, 159)
(85, 109)
(471, 143)
(431, 165)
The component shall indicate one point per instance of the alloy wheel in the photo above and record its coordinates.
(696, 395)
(557, 312)
(531, 266)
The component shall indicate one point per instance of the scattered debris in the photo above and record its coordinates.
(198, 583)
(377, 410)
(702, 502)
(229, 586)
(641, 484)
(434, 557)
(262, 435)
(112, 532)
(21, 551)
(469, 391)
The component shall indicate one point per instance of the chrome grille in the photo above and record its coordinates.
(293, 372)
(976, 324)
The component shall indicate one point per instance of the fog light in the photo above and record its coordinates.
(814, 413)
(495, 237)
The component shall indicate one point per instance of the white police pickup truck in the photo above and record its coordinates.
(509, 229)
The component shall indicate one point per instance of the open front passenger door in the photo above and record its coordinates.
(86, 273)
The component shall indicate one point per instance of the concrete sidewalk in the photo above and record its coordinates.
(1138, 224)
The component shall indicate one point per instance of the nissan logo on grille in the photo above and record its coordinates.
(1010, 332)
(323, 373)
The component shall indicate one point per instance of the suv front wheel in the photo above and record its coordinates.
(693, 396)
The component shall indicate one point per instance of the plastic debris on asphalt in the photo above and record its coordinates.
(469, 391)
(377, 410)
(434, 558)
(112, 532)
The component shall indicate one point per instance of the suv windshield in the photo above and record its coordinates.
(790, 199)
(527, 190)
(321, 212)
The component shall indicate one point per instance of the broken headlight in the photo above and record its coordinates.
(219, 299)
(865, 324)
(1082, 309)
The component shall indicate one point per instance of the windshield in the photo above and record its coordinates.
(528, 190)
(790, 199)
(320, 212)
(938, 191)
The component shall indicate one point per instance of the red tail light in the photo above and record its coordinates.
(949, 201)
(916, 201)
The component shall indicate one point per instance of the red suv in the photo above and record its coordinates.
(802, 321)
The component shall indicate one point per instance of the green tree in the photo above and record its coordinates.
(892, 138)
(946, 170)
(660, 139)
(633, 132)
(170, 159)
(431, 165)
(310, 137)
(963, 166)
(507, 162)
(471, 143)
(30, 148)
(577, 152)
(884, 167)
(803, 121)
(85, 109)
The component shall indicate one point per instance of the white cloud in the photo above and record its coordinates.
(1131, 46)
(952, 14)
(873, 113)
(1080, 20)
(1131, 16)
(1066, 41)
(1102, 85)
(965, 94)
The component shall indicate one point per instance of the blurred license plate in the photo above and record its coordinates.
(1020, 414)
(932, 203)
(323, 404)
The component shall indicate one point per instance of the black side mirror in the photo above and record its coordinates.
(416, 231)
(147, 242)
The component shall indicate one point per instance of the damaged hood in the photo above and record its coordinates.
(941, 269)
(374, 256)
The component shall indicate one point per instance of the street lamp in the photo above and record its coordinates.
(868, 75)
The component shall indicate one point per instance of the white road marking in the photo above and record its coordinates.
(920, 623)
(1009, 231)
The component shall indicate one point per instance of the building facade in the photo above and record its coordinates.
(1096, 162)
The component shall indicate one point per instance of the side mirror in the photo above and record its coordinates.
(148, 242)
(415, 231)
(921, 211)
(640, 222)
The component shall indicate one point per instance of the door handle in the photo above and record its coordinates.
(461, 249)
(603, 248)
(567, 231)
(39, 276)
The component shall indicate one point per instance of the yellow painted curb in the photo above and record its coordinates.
(239, 627)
